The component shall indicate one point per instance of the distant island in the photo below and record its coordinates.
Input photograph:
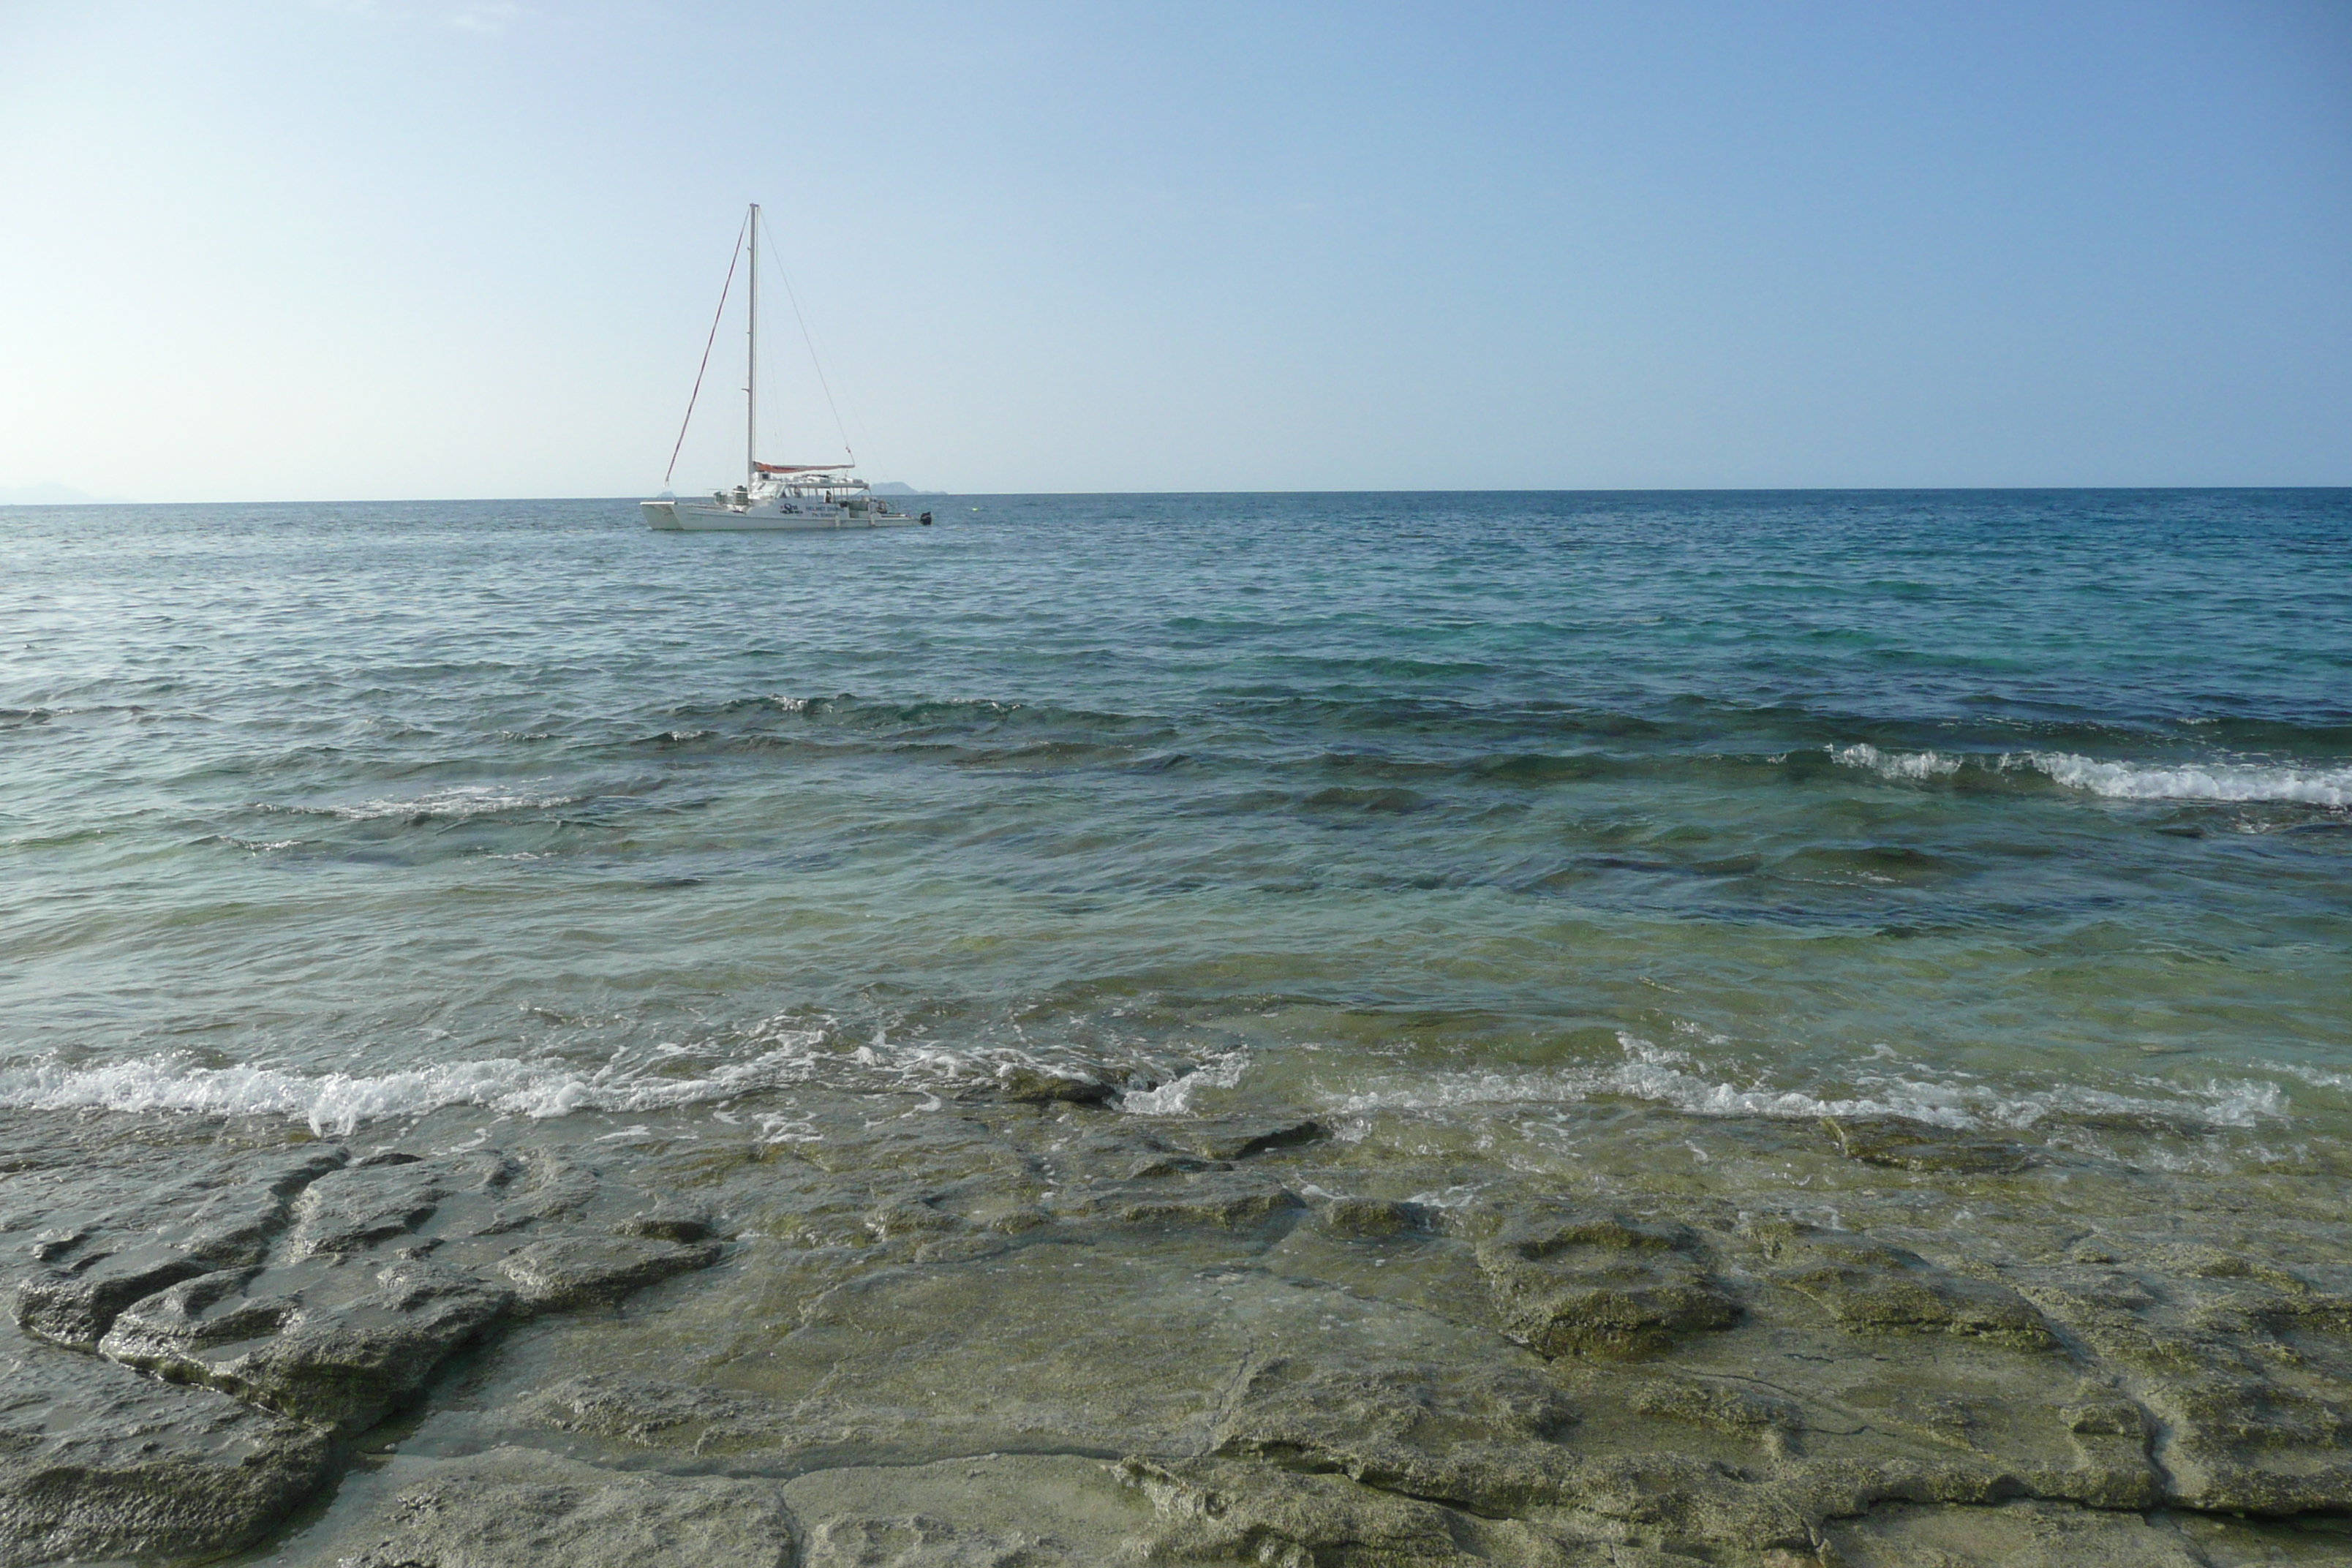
(51, 495)
(893, 488)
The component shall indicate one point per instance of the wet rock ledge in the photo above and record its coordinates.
(276, 1302)
(1024, 1329)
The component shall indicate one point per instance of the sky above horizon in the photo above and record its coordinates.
(291, 249)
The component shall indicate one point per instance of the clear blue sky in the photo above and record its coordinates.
(421, 248)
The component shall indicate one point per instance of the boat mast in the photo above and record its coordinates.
(751, 365)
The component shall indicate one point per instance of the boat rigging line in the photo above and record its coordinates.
(776, 253)
(715, 319)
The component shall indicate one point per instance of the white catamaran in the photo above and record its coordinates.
(787, 497)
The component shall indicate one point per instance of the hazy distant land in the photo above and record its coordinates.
(52, 495)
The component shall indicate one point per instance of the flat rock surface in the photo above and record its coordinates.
(99, 1462)
(913, 1328)
(989, 1510)
(515, 1506)
(278, 1298)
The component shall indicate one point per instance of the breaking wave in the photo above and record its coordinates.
(1174, 1097)
(2213, 780)
(1662, 1077)
(1897, 764)
(455, 803)
(2201, 781)
(668, 1077)
(2318, 1078)
(336, 1104)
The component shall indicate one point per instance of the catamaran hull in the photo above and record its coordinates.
(682, 517)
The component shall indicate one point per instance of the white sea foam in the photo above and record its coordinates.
(791, 1050)
(2214, 781)
(2201, 780)
(1451, 1199)
(1896, 765)
(456, 801)
(1175, 1097)
(2318, 1078)
(1648, 1073)
(335, 1104)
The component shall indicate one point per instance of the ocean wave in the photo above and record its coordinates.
(784, 1052)
(1174, 1097)
(2318, 1078)
(1664, 1077)
(1897, 764)
(336, 1104)
(2208, 780)
(1520, 742)
(848, 710)
(2193, 780)
(457, 801)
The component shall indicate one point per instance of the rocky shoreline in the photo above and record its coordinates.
(1019, 1327)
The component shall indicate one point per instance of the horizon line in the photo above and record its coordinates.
(1483, 490)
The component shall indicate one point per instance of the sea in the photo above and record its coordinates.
(1995, 811)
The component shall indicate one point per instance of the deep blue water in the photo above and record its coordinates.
(1982, 807)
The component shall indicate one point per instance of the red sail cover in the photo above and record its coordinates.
(799, 467)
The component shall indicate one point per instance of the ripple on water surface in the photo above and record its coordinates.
(1938, 806)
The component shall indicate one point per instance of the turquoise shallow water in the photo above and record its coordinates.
(1988, 809)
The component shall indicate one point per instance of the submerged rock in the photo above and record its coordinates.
(1869, 1286)
(515, 1506)
(90, 1270)
(1784, 1353)
(1484, 1438)
(2258, 1445)
(344, 1349)
(97, 1461)
(644, 1413)
(1239, 1137)
(1893, 1142)
(347, 1286)
(996, 1511)
(1365, 1219)
(159, 1333)
(1035, 1086)
(75, 1307)
(573, 1271)
(668, 1220)
(1598, 1284)
(1213, 1198)
(2007, 1535)
(353, 1209)
(1212, 1511)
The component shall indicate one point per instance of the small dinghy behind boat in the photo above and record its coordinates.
(798, 497)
